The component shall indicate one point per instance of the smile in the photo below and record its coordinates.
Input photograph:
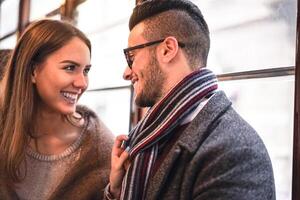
(69, 97)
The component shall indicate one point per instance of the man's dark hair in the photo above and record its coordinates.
(179, 18)
(4, 57)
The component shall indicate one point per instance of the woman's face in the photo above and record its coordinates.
(62, 78)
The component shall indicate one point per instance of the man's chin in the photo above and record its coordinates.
(143, 102)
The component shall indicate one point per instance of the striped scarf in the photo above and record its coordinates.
(158, 123)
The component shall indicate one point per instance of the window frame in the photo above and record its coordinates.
(296, 139)
(68, 8)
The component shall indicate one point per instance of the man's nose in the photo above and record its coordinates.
(127, 73)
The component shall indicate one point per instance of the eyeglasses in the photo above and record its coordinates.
(129, 58)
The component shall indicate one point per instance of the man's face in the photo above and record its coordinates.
(145, 74)
(153, 81)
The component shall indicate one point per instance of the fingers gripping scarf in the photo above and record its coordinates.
(158, 123)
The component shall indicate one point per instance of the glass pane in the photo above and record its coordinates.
(55, 17)
(9, 16)
(108, 35)
(268, 105)
(9, 43)
(103, 14)
(250, 34)
(108, 61)
(112, 106)
(40, 8)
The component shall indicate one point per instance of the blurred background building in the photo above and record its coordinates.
(253, 51)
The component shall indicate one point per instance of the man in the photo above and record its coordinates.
(191, 144)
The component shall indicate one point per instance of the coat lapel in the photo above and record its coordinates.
(189, 141)
(156, 182)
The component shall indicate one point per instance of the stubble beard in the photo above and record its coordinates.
(154, 80)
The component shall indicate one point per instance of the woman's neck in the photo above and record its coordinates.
(53, 133)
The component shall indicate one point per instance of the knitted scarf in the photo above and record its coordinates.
(158, 123)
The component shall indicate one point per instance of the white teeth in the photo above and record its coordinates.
(71, 97)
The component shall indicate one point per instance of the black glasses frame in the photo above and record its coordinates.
(127, 50)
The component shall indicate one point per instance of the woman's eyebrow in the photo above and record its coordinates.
(70, 61)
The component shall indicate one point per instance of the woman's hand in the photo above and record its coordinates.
(119, 164)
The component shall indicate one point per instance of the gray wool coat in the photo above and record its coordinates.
(219, 156)
(89, 176)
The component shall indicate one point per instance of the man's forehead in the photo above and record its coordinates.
(136, 33)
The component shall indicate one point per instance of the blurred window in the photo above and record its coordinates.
(9, 42)
(108, 34)
(112, 107)
(245, 35)
(268, 105)
(40, 8)
(9, 13)
(250, 34)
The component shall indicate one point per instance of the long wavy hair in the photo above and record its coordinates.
(39, 40)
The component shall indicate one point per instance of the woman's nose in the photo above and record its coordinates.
(81, 81)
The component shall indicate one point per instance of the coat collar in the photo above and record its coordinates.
(190, 139)
(196, 132)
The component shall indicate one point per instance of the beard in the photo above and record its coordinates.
(154, 80)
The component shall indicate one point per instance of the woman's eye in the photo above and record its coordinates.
(70, 67)
(86, 70)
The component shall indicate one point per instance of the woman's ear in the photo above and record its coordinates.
(33, 75)
(169, 49)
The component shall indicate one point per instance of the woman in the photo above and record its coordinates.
(50, 147)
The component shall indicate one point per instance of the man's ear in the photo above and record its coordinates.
(168, 49)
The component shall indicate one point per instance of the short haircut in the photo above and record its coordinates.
(179, 18)
(4, 57)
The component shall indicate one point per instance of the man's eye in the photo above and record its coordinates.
(131, 57)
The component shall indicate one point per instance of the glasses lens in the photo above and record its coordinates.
(127, 51)
(127, 56)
